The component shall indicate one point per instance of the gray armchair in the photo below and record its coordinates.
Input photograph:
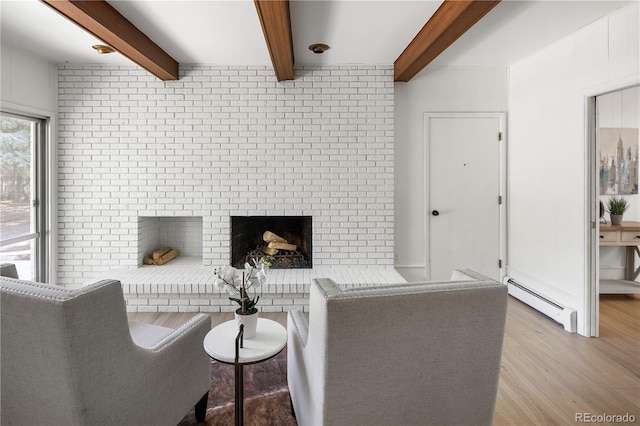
(417, 353)
(8, 270)
(70, 357)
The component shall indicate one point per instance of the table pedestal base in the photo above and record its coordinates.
(239, 378)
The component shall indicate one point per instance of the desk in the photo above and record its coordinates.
(220, 344)
(625, 235)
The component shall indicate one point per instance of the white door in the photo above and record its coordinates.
(465, 184)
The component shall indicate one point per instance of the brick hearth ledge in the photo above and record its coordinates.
(184, 285)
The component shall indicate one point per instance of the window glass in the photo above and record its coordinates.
(19, 194)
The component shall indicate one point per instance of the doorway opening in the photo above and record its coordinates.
(614, 146)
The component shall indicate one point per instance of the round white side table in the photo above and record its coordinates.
(224, 344)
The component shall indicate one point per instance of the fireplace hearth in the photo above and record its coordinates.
(247, 240)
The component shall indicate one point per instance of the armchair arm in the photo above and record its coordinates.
(298, 327)
(170, 375)
(306, 355)
(467, 275)
(8, 270)
(305, 370)
(325, 287)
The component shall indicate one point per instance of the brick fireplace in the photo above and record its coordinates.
(222, 142)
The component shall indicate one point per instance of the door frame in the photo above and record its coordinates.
(503, 187)
(591, 300)
(592, 209)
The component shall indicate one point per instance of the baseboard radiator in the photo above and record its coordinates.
(560, 314)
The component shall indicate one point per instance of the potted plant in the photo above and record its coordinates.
(617, 207)
(236, 283)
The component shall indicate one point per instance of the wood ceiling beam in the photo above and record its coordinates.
(100, 19)
(452, 19)
(276, 26)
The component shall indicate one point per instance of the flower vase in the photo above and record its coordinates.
(250, 322)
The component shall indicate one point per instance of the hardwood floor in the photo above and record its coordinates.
(548, 376)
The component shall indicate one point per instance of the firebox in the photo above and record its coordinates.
(285, 239)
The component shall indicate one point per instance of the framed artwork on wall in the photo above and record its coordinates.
(619, 161)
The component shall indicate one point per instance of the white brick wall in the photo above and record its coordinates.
(223, 141)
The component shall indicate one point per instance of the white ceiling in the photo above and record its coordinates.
(228, 32)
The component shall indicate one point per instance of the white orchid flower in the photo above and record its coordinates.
(228, 278)
(231, 278)
(219, 281)
(229, 273)
(257, 275)
(262, 276)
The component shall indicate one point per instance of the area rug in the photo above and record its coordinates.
(266, 396)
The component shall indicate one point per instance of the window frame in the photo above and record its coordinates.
(40, 191)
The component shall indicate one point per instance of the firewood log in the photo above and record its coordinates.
(159, 253)
(270, 237)
(167, 257)
(270, 251)
(148, 260)
(283, 246)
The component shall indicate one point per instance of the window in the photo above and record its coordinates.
(22, 200)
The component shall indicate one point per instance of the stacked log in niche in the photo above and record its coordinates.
(161, 256)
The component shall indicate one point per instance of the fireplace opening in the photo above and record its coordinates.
(248, 240)
(183, 233)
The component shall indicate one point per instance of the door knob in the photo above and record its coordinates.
(435, 213)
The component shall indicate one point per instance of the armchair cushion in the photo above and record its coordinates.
(147, 335)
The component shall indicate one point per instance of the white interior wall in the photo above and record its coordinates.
(28, 83)
(30, 86)
(548, 216)
(435, 89)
